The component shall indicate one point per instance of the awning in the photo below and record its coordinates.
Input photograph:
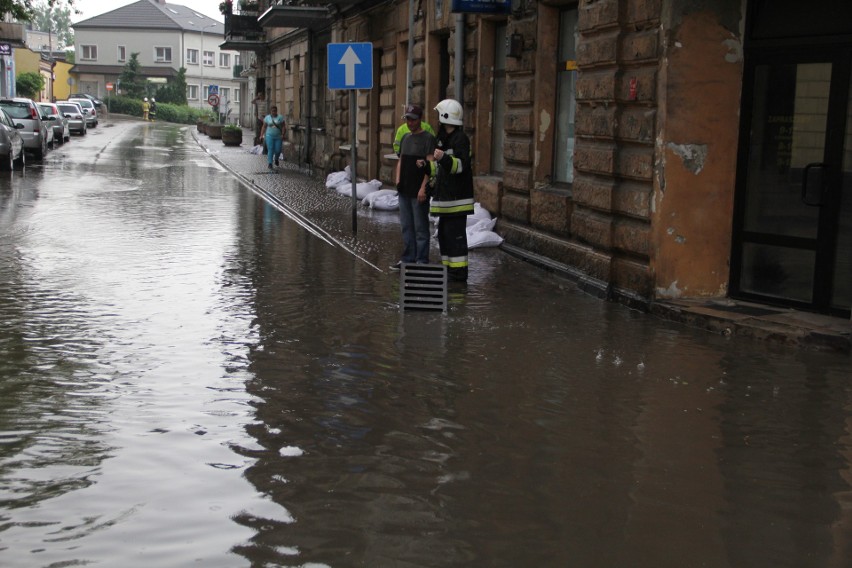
(118, 69)
(302, 17)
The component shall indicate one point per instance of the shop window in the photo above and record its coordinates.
(566, 104)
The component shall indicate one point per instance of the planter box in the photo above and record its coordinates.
(214, 131)
(232, 137)
(202, 126)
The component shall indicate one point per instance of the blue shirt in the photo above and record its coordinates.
(274, 126)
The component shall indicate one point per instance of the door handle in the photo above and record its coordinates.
(805, 184)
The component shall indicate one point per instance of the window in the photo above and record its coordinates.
(89, 52)
(236, 96)
(163, 54)
(207, 59)
(192, 56)
(122, 53)
(192, 92)
(225, 93)
(563, 158)
(224, 60)
(237, 60)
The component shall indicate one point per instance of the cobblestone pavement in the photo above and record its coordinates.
(304, 198)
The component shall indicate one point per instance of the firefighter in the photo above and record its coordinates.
(452, 195)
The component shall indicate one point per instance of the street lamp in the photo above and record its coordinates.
(202, 28)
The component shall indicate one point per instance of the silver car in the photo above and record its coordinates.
(75, 115)
(27, 118)
(90, 110)
(11, 144)
(50, 113)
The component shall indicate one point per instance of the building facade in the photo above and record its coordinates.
(167, 37)
(651, 148)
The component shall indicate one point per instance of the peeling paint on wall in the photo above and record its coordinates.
(671, 292)
(735, 50)
(693, 155)
(544, 125)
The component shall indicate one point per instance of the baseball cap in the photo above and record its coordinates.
(413, 111)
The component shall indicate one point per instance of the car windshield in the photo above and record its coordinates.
(17, 110)
(69, 108)
(84, 103)
(48, 110)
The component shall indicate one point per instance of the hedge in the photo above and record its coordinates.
(181, 114)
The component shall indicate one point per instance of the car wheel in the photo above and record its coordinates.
(22, 159)
(7, 163)
(40, 154)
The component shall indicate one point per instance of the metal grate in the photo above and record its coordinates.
(423, 287)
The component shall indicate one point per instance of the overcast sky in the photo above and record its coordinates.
(92, 8)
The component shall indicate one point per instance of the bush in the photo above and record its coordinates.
(166, 112)
(29, 84)
(232, 128)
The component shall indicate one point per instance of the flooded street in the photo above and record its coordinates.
(188, 377)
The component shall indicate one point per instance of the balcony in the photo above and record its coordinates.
(242, 27)
(12, 33)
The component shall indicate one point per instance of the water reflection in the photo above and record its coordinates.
(187, 376)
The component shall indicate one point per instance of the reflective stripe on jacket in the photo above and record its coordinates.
(453, 191)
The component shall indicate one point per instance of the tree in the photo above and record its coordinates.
(55, 19)
(175, 91)
(22, 10)
(29, 84)
(133, 84)
(70, 56)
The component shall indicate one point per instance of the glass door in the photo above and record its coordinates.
(793, 218)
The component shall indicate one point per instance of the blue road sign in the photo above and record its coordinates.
(350, 65)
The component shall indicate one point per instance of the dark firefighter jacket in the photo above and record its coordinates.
(453, 191)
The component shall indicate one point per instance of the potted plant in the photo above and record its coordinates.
(232, 135)
(249, 6)
(214, 130)
(226, 8)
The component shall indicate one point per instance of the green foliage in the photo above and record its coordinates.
(23, 10)
(54, 18)
(70, 56)
(174, 91)
(232, 128)
(181, 114)
(29, 84)
(133, 83)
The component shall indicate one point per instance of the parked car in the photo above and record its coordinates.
(97, 102)
(50, 112)
(11, 144)
(90, 110)
(75, 114)
(27, 119)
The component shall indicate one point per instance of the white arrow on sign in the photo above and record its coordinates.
(350, 60)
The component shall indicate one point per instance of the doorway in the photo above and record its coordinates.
(792, 241)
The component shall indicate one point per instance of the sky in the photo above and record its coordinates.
(92, 8)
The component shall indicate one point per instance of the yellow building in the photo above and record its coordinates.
(55, 83)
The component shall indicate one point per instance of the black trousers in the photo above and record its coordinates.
(452, 240)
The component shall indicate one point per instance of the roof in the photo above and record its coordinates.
(151, 15)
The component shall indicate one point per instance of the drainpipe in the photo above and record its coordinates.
(412, 6)
(309, 99)
(459, 61)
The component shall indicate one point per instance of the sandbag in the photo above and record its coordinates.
(479, 214)
(362, 189)
(336, 178)
(382, 200)
(479, 239)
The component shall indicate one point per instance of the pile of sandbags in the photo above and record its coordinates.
(382, 200)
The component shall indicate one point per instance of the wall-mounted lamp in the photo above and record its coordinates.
(514, 45)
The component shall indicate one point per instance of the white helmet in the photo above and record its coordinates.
(145, 99)
(450, 112)
(153, 100)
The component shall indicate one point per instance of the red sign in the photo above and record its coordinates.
(213, 100)
(109, 86)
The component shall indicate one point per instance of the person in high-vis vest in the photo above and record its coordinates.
(403, 130)
(452, 195)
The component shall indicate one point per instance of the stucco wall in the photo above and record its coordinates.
(696, 148)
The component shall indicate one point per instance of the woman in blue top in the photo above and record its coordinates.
(273, 133)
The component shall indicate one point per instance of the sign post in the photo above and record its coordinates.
(350, 66)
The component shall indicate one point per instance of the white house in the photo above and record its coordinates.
(167, 37)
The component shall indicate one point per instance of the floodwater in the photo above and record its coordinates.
(188, 377)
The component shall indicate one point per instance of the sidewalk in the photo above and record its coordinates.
(304, 198)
